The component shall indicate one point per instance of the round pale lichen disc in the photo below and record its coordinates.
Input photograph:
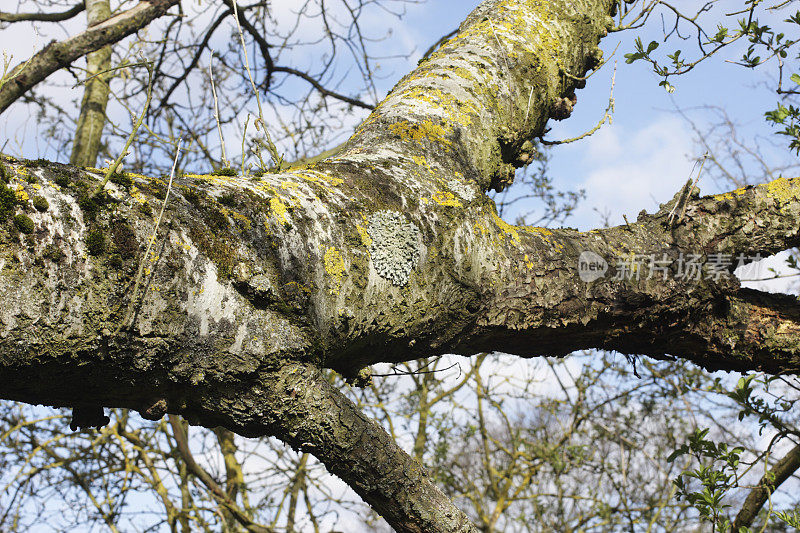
(394, 249)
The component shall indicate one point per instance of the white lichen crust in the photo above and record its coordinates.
(463, 190)
(394, 249)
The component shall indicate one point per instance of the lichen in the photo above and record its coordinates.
(334, 266)
(425, 130)
(784, 190)
(279, 209)
(394, 249)
(22, 195)
(506, 227)
(462, 190)
(446, 198)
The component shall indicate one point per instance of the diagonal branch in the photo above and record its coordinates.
(181, 439)
(783, 470)
(57, 55)
(298, 404)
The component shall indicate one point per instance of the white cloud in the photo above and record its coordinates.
(629, 170)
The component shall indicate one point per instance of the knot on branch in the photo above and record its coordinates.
(562, 107)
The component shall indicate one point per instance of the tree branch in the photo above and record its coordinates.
(773, 479)
(179, 433)
(43, 17)
(57, 55)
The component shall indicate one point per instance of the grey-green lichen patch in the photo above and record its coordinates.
(464, 191)
(395, 246)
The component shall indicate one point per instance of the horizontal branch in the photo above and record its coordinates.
(43, 17)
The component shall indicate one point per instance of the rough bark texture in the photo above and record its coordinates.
(92, 119)
(57, 55)
(387, 251)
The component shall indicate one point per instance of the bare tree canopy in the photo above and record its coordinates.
(229, 310)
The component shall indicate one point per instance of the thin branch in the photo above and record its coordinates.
(43, 17)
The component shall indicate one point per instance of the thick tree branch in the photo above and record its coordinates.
(57, 55)
(388, 251)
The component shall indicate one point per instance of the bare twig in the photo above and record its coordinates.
(216, 112)
(607, 117)
(113, 167)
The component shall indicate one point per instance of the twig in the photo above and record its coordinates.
(216, 112)
(113, 167)
(150, 242)
(607, 116)
(259, 122)
(694, 184)
(245, 171)
(683, 198)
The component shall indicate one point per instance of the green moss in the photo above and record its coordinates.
(121, 178)
(62, 180)
(40, 203)
(35, 163)
(228, 199)
(216, 249)
(53, 253)
(115, 262)
(96, 242)
(24, 223)
(217, 219)
(226, 171)
(88, 205)
(8, 200)
(3, 174)
(124, 239)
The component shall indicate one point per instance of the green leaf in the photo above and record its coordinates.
(795, 78)
(667, 85)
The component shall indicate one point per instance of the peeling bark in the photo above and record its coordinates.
(387, 251)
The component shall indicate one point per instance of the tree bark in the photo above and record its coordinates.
(92, 119)
(388, 251)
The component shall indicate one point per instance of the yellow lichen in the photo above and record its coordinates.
(541, 231)
(425, 130)
(446, 198)
(334, 266)
(784, 190)
(279, 209)
(528, 262)
(506, 227)
(366, 240)
(22, 195)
